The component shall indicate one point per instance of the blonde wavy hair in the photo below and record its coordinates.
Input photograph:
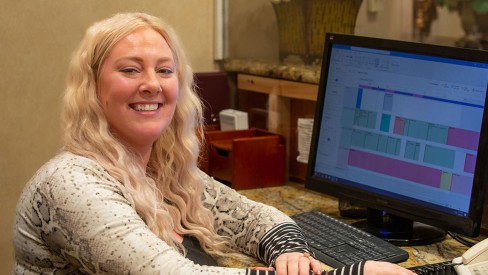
(168, 192)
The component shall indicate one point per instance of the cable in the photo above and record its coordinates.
(461, 239)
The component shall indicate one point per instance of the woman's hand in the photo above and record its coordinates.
(296, 263)
(384, 268)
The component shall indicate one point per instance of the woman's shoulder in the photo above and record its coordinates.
(66, 169)
(66, 159)
(68, 176)
(67, 163)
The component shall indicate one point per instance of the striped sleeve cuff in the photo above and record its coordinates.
(285, 237)
(354, 269)
(259, 272)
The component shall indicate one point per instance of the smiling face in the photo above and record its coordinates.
(138, 88)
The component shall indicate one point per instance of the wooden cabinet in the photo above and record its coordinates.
(284, 88)
(276, 105)
(258, 84)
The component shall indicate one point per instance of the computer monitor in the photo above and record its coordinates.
(401, 129)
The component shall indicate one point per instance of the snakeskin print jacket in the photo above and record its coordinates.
(74, 218)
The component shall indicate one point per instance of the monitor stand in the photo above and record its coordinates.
(399, 231)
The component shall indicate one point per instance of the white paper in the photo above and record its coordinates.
(305, 128)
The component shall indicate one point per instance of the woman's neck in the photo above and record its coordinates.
(177, 237)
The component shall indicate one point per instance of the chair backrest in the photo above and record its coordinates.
(213, 88)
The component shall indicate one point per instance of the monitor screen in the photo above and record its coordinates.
(401, 129)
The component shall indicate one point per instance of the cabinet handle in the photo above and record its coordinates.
(250, 81)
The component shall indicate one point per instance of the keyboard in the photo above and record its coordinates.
(443, 268)
(337, 244)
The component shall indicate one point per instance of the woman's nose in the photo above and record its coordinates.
(150, 83)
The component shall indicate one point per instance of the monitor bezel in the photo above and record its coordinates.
(469, 225)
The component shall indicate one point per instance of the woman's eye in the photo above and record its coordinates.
(129, 70)
(165, 71)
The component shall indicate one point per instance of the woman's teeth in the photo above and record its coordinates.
(145, 107)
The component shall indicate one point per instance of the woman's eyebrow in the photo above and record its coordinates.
(141, 60)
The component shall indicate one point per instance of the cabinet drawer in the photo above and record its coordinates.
(258, 84)
(299, 90)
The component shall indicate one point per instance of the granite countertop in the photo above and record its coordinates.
(294, 72)
(293, 198)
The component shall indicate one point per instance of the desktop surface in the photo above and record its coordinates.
(293, 198)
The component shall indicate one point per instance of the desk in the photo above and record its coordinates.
(293, 198)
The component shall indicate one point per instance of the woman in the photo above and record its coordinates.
(125, 194)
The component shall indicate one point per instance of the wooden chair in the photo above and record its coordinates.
(213, 89)
(245, 159)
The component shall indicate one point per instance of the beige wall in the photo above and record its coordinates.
(252, 31)
(36, 40)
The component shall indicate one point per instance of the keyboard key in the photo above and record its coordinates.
(443, 268)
